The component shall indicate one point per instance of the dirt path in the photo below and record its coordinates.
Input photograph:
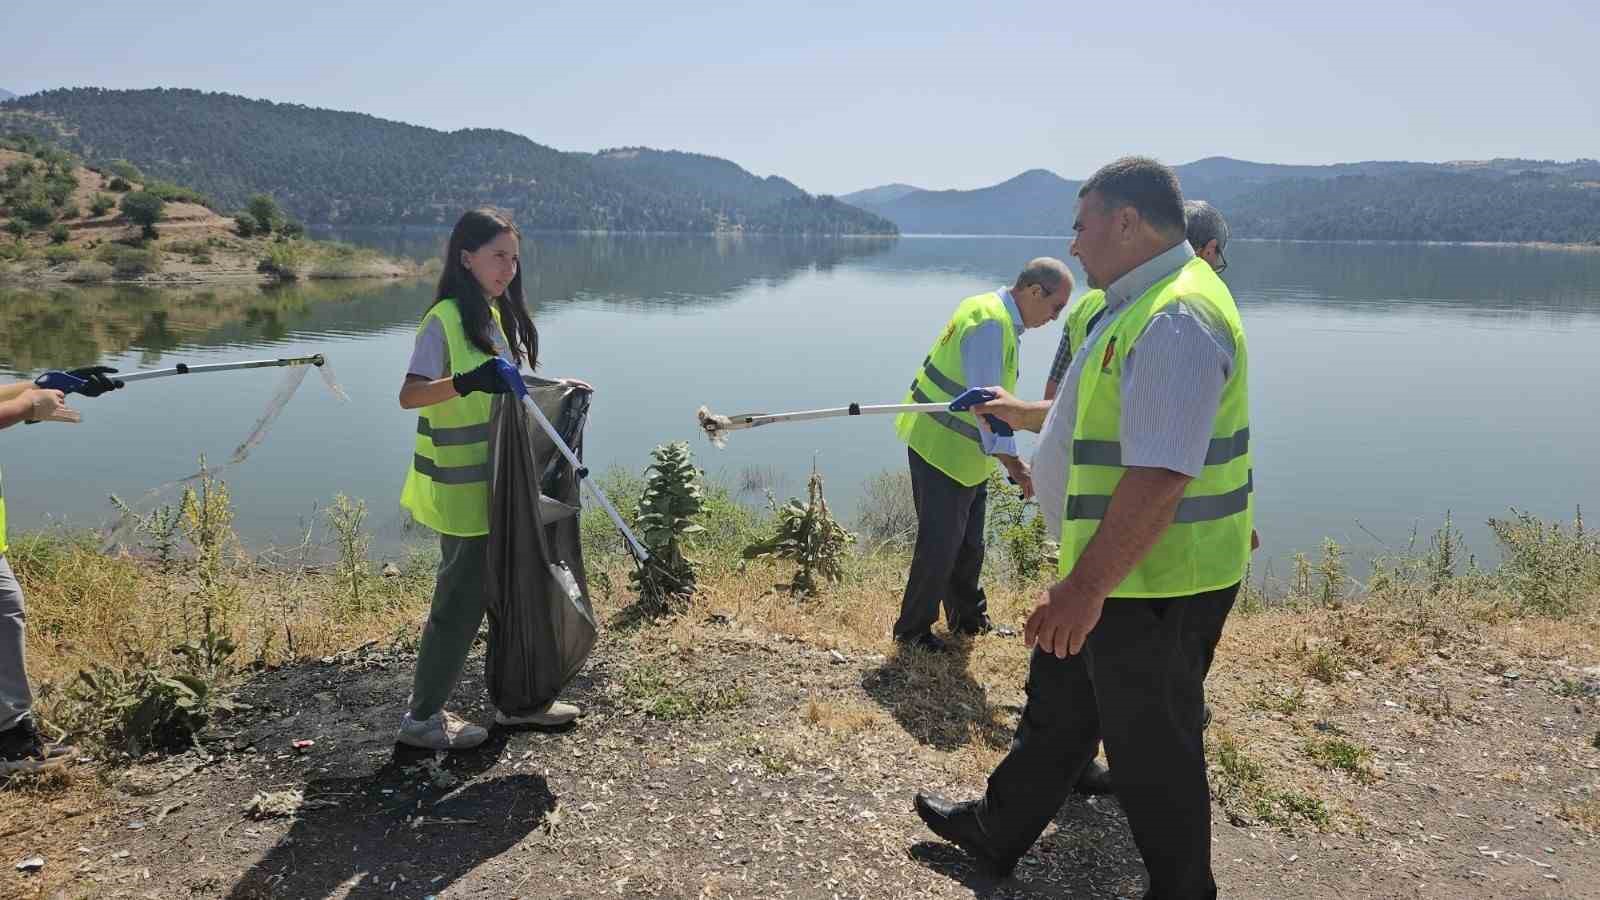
(741, 765)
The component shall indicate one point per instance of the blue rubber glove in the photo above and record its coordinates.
(95, 381)
(495, 376)
(973, 396)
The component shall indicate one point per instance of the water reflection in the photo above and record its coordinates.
(67, 326)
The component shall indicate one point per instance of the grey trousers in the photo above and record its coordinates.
(459, 602)
(948, 556)
(15, 697)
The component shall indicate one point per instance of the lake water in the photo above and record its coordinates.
(1389, 383)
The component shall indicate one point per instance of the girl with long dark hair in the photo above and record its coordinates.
(477, 324)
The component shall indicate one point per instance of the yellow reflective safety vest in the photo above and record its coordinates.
(1082, 317)
(1208, 543)
(447, 488)
(949, 441)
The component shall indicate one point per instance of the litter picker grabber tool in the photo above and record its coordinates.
(513, 379)
(717, 427)
(67, 383)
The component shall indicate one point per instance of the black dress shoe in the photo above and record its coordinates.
(958, 824)
(1095, 780)
(924, 641)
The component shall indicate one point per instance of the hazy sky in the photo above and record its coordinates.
(842, 96)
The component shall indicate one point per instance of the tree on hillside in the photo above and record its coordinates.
(265, 211)
(56, 161)
(34, 209)
(125, 170)
(145, 209)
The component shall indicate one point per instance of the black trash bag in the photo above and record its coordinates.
(541, 623)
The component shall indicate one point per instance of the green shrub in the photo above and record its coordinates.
(808, 535)
(284, 260)
(1015, 526)
(101, 204)
(145, 209)
(57, 254)
(60, 234)
(90, 271)
(1554, 570)
(119, 185)
(125, 170)
(244, 224)
(18, 172)
(141, 705)
(35, 211)
(292, 230)
(668, 509)
(266, 213)
(127, 262)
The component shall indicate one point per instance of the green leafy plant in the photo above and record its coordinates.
(283, 260)
(808, 535)
(1553, 569)
(1331, 571)
(1017, 528)
(673, 499)
(140, 706)
(346, 518)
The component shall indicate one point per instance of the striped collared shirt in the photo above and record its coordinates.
(1171, 387)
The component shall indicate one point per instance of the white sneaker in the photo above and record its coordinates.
(440, 731)
(557, 713)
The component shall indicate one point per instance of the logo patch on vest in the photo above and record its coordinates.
(1110, 354)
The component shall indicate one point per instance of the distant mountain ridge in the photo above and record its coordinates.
(5, 95)
(1510, 200)
(346, 168)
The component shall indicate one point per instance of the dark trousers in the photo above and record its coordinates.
(1138, 683)
(949, 552)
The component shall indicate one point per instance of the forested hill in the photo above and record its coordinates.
(327, 166)
(1508, 200)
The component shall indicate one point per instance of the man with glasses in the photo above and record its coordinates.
(950, 453)
(1152, 493)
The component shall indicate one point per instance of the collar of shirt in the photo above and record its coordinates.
(1011, 307)
(1132, 286)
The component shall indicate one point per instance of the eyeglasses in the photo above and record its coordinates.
(1222, 262)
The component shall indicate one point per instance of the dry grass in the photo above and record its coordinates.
(1583, 813)
(792, 687)
(86, 609)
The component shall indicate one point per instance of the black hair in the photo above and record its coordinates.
(1148, 186)
(476, 228)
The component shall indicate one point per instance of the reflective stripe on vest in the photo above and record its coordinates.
(952, 442)
(1208, 543)
(447, 487)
